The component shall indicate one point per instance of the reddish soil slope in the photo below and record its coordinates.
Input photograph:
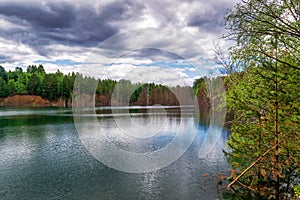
(29, 101)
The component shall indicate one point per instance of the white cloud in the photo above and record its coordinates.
(141, 74)
(6, 25)
(186, 28)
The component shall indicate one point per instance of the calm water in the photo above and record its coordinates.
(42, 157)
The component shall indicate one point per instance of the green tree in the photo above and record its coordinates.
(67, 89)
(23, 79)
(11, 89)
(13, 75)
(20, 88)
(18, 70)
(50, 87)
(3, 74)
(265, 96)
(33, 84)
(122, 91)
(40, 69)
(105, 87)
(31, 69)
(3, 89)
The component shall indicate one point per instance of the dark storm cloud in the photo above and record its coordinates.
(210, 17)
(54, 30)
(50, 16)
(4, 59)
(206, 24)
(63, 23)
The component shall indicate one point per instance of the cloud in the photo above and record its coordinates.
(64, 22)
(144, 74)
(210, 18)
(74, 30)
(171, 70)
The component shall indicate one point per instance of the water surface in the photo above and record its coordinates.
(42, 157)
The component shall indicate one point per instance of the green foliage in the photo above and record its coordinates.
(3, 74)
(297, 191)
(66, 87)
(20, 88)
(3, 89)
(11, 89)
(33, 84)
(199, 84)
(136, 94)
(31, 69)
(105, 87)
(265, 96)
(51, 87)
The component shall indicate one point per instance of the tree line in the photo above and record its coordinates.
(52, 86)
(35, 81)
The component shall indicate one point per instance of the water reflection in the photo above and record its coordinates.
(41, 157)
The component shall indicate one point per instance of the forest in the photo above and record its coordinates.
(35, 81)
(52, 86)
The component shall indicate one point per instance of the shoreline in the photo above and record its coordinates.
(34, 101)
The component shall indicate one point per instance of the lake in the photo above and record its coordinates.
(44, 156)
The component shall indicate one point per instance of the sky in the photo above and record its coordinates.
(167, 41)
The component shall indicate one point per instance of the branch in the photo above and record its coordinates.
(252, 165)
(277, 59)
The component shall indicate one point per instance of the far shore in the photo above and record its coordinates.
(29, 101)
(37, 101)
